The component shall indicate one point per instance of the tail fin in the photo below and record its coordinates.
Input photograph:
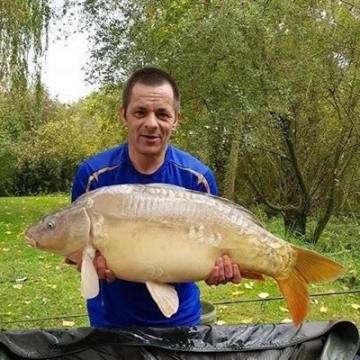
(310, 268)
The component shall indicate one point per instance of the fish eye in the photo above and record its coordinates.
(50, 224)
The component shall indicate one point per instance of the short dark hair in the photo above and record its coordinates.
(150, 76)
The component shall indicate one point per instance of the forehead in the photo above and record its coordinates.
(147, 94)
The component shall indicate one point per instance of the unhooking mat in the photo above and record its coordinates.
(332, 340)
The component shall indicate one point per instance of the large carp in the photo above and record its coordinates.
(159, 234)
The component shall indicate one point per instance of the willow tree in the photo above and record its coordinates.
(24, 28)
(23, 34)
(23, 38)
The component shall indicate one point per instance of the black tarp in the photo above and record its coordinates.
(332, 340)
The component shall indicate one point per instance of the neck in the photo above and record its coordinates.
(146, 164)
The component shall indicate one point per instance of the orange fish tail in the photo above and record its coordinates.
(310, 268)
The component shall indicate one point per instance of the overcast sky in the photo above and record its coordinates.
(62, 70)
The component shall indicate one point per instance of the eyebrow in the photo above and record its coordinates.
(163, 109)
(144, 107)
(140, 107)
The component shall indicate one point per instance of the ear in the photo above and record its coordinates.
(123, 115)
(177, 120)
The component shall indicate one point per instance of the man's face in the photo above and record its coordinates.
(150, 118)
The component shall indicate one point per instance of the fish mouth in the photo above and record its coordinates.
(30, 242)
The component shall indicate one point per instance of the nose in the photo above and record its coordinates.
(151, 121)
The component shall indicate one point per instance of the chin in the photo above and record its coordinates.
(152, 150)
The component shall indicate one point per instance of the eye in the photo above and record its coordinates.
(50, 224)
(163, 116)
(139, 113)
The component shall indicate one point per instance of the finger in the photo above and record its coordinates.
(237, 274)
(110, 276)
(220, 264)
(69, 262)
(228, 268)
(101, 267)
(78, 266)
(212, 279)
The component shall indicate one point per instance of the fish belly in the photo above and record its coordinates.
(141, 251)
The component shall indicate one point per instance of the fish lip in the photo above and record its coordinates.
(30, 242)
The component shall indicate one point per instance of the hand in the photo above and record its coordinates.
(100, 265)
(224, 271)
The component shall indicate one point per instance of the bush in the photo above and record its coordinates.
(8, 165)
(48, 161)
(49, 158)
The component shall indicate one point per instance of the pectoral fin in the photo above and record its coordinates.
(165, 297)
(89, 276)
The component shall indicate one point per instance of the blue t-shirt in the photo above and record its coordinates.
(124, 303)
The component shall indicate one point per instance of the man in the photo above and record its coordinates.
(151, 112)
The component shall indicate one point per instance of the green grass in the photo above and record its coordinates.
(50, 298)
(52, 288)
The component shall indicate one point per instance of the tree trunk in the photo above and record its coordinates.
(230, 175)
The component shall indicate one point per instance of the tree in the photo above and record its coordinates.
(23, 37)
(188, 40)
(269, 91)
(313, 113)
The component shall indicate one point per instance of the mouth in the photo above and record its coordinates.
(150, 137)
(30, 242)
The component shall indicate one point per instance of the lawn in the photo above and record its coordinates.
(50, 297)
